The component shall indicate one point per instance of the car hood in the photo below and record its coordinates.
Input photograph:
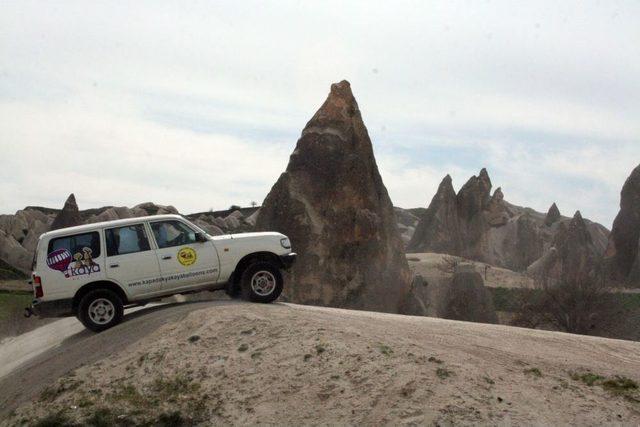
(249, 235)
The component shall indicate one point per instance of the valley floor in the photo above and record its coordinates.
(239, 363)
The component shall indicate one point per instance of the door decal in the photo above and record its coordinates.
(61, 260)
(187, 256)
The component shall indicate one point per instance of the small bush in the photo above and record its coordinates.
(50, 393)
(435, 360)
(171, 419)
(443, 373)
(180, 384)
(535, 372)
(128, 393)
(619, 385)
(85, 402)
(102, 417)
(589, 378)
(59, 419)
(385, 349)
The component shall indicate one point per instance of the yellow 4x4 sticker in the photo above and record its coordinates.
(187, 256)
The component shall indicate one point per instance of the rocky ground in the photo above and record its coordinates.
(238, 363)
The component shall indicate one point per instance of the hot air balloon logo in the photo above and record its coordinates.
(59, 259)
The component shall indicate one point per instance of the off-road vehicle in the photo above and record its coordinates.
(94, 271)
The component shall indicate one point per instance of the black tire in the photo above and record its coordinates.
(268, 271)
(233, 290)
(93, 300)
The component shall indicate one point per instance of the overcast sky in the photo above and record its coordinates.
(200, 104)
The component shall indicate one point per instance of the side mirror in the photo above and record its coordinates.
(200, 238)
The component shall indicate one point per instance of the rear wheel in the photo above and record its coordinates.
(261, 282)
(100, 309)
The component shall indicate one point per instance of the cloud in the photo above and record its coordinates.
(110, 159)
(200, 105)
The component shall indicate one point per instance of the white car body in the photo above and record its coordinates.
(63, 269)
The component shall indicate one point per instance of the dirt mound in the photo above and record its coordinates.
(295, 365)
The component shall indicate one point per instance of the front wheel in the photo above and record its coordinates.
(100, 309)
(261, 282)
(233, 290)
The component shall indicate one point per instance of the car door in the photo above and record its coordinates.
(184, 261)
(131, 261)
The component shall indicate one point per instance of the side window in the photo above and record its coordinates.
(126, 240)
(81, 246)
(172, 233)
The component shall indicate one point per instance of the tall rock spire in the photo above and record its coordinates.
(553, 215)
(334, 207)
(474, 196)
(622, 256)
(439, 230)
(68, 216)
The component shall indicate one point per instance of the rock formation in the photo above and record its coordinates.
(553, 215)
(406, 222)
(622, 256)
(479, 226)
(233, 222)
(529, 245)
(439, 229)
(467, 298)
(334, 207)
(497, 213)
(572, 258)
(69, 216)
(14, 254)
(459, 224)
(576, 251)
(474, 196)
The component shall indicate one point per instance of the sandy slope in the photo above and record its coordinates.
(291, 364)
(18, 350)
(15, 351)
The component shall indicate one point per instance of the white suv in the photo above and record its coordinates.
(94, 271)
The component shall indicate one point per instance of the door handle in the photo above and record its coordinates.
(166, 257)
(114, 265)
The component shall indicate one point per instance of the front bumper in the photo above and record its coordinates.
(55, 308)
(288, 260)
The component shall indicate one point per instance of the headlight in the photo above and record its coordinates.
(285, 243)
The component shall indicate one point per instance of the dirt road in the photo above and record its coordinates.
(33, 360)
